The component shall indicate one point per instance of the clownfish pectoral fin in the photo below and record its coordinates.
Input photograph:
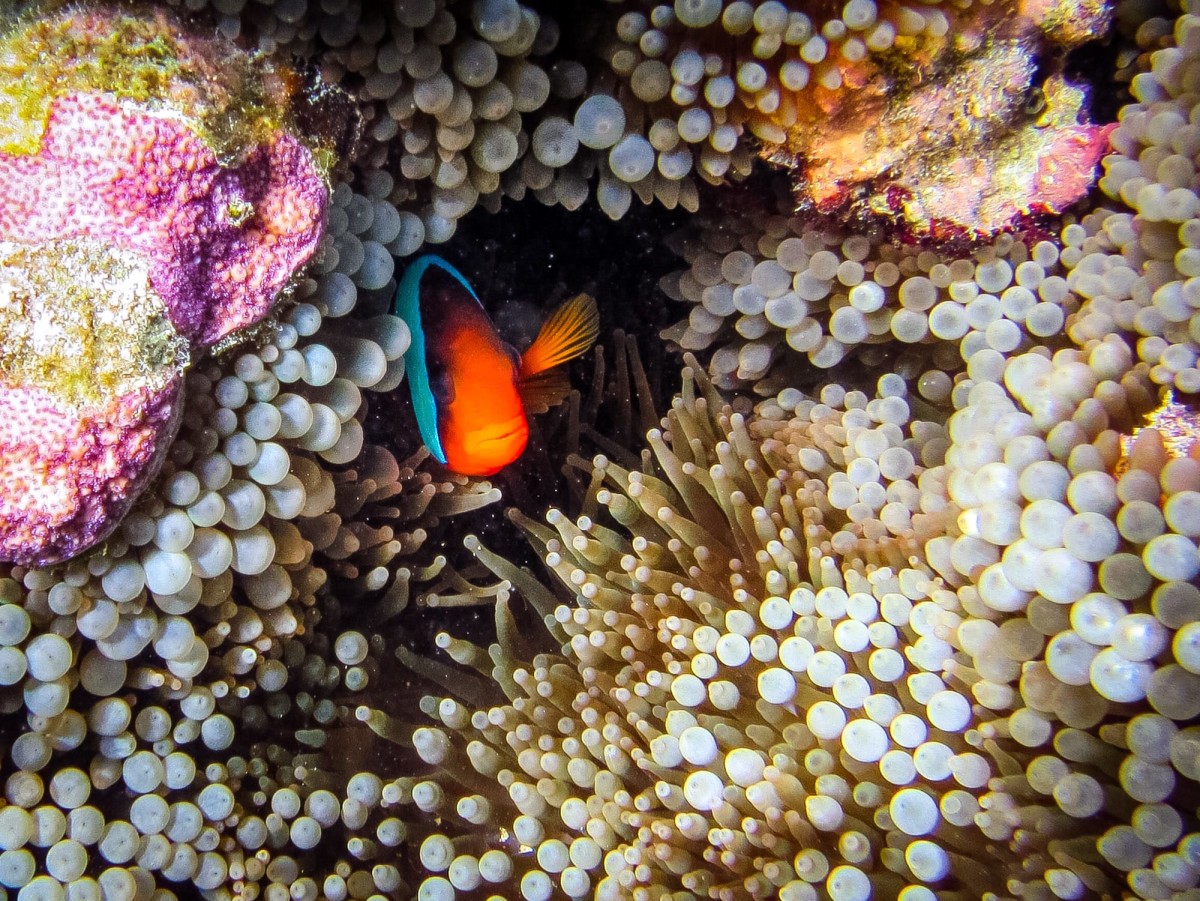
(569, 332)
(545, 390)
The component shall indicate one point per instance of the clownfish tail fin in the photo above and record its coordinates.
(569, 332)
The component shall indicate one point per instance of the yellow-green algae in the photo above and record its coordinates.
(234, 100)
(83, 322)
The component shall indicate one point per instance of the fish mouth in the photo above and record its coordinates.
(495, 434)
(506, 436)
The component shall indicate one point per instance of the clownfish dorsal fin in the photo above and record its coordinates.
(569, 332)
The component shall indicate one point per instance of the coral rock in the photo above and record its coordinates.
(91, 374)
(136, 237)
(222, 241)
(972, 136)
(1037, 167)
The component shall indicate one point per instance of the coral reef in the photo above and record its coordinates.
(474, 102)
(466, 104)
(921, 623)
(131, 244)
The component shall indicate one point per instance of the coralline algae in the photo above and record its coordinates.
(978, 129)
(91, 374)
(148, 222)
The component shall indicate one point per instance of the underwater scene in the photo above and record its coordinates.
(515, 450)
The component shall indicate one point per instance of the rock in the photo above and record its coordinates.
(151, 206)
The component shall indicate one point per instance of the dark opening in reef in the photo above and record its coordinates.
(1094, 64)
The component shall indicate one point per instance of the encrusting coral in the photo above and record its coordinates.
(471, 103)
(925, 634)
(133, 238)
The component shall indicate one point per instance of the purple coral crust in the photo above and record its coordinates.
(220, 243)
(150, 185)
(68, 479)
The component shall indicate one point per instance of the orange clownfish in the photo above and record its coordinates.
(470, 389)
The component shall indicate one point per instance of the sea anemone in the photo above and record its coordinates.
(777, 297)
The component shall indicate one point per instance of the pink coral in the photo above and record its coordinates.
(1066, 170)
(128, 247)
(221, 241)
(68, 478)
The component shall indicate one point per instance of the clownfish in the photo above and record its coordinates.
(471, 390)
